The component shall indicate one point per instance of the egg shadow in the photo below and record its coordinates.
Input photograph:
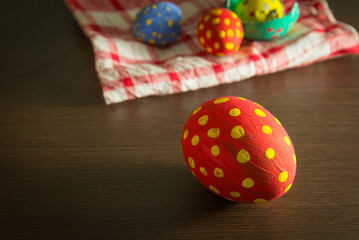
(172, 200)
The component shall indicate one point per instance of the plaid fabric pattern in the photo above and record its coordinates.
(130, 69)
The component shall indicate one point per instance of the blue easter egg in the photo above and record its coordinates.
(158, 23)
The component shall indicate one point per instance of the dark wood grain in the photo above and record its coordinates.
(73, 168)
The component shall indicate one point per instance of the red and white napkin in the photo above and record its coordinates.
(130, 69)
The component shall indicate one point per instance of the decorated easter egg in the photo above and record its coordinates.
(239, 150)
(158, 23)
(264, 19)
(220, 32)
(259, 10)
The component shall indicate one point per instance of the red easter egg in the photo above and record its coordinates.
(239, 150)
(220, 31)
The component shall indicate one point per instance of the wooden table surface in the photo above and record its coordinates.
(73, 168)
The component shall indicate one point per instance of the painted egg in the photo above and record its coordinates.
(239, 150)
(259, 10)
(220, 32)
(264, 19)
(158, 23)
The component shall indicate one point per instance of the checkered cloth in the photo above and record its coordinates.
(130, 69)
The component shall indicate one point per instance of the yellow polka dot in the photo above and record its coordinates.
(168, 9)
(222, 34)
(220, 100)
(230, 33)
(218, 173)
(216, 21)
(185, 134)
(216, 11)
(201, 39)
(227, 21)
(242, 98)
(277, 121)
(208, 34)
(163, 42)
(220, 54)
(234, 15)
(248, 183)
(203, 120)
(283, 176)
(235, 194)
(154, 6)
(286, 140)
(138, 24)
(216, 45)
(209, 49)
(269, 153)
(260, 112)
(267, 129)
(294, 159)
(154, 34)
(201, 26)
(243, 156)
(170, 23)
(203, 171)
(207, 17)
(215, 150)
(151, 41)
(191, 162)
(259, 200)
(148, 22)
(180, 23)
(237, 132)
(159, 36)
(213, 189)
(195, 140)
(238, 23)
(229, 46)
(196, 110)
(159, 14)
(213, 132)
(289, 186)
(193, 173)
(234, 112)
(238, 33)
(229, 199)
(237, 48)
